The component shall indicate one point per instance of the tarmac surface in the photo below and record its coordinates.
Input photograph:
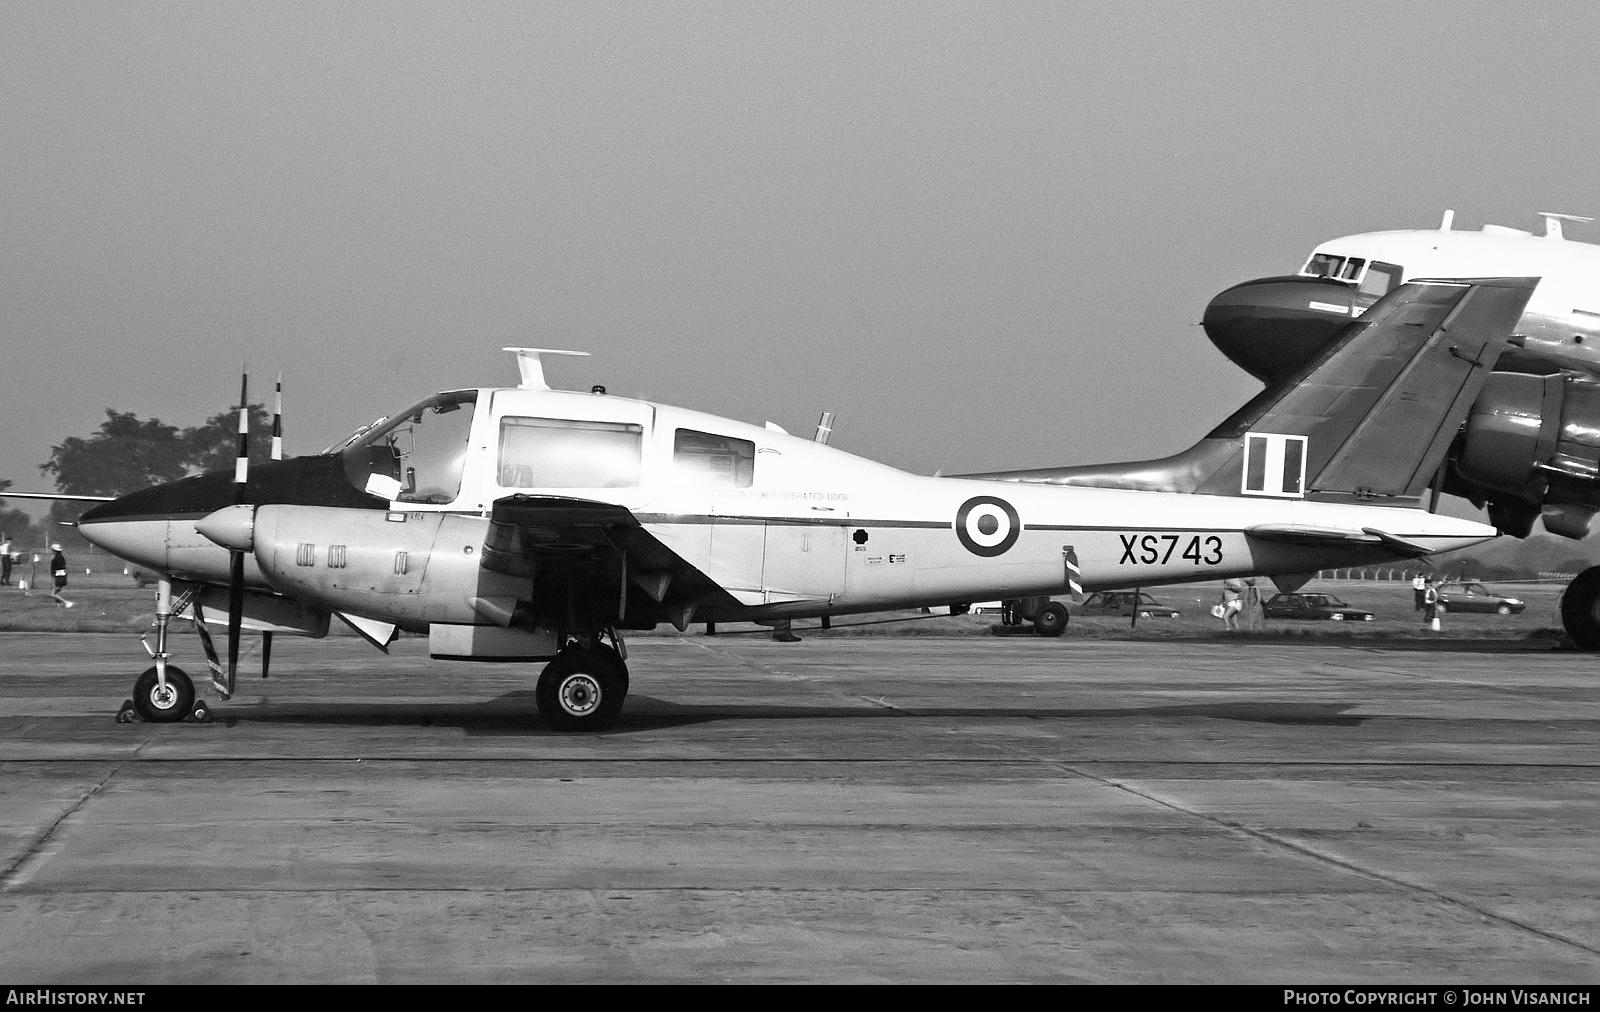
(839, 810)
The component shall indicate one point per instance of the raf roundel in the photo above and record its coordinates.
(987, 526)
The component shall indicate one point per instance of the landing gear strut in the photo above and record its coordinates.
(163, 694)
(582, 689)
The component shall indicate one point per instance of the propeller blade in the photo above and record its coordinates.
(235, 616)
(241, 462)
(241, 473)
(277, 420)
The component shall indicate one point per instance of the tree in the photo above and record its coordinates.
(128, 453)
(214, 446)
(14, 523)
(125, 455)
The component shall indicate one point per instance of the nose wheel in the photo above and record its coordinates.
(582, 689)
(160, 704)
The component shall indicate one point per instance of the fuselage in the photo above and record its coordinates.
(392, 526)
(1561, 324)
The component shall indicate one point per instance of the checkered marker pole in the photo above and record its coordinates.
(1069, 561)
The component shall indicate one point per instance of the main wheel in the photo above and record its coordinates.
(1051, 619)
(1580, 609)
(163, 706)
(582, 689)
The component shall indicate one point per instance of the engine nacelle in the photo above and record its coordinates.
(1535, 440)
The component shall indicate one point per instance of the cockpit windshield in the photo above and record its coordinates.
(1329, 265)
(420, 453)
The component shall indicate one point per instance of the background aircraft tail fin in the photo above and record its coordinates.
(1370, 416)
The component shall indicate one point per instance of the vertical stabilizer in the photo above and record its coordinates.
(1372, 415)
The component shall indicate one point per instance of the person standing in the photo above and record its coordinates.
(58, 575)
(1231, 605)
(1431, 606)
(1419, 588)
(1252, 605)
(5, 560)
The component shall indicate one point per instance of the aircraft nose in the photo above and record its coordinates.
(139, 542)
(232, 527)
(1270, 326)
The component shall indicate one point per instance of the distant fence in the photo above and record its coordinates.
(1403, 574)
(1376, 574)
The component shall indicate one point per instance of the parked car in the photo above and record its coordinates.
(1473, 596)
(1125, 603)
(1312, 607)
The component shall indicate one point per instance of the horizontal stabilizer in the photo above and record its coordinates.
(1410, 549)
(1332, 537)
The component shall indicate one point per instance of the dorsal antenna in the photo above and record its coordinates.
(531, 366)
(1552, 222)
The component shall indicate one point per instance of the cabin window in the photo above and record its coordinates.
(707, 459)
(568, 453)
(1381, 279)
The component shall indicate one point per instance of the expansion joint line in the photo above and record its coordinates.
(17, 871)
(1317, 855)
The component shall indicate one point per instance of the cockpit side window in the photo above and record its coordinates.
(568, 453)
(423, 450)
(707, 459)
(1381, 279)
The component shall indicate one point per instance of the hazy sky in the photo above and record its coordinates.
(982, 234)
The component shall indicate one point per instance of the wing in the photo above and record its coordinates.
(593, 565)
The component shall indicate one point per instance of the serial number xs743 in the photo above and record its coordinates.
(1160, 549)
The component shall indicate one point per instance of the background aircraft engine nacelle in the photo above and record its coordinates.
(1269, 327)
(409, 568)
(1532, 440)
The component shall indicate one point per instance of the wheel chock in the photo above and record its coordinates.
(126, 714)
(201, 714)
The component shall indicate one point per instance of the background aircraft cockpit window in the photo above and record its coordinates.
(428, 446)
(1323, 265)
(707, 459)
(1381, 278)
(568, 453)
(1352, 269)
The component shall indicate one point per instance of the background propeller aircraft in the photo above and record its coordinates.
(1530, 446)
(529, 523)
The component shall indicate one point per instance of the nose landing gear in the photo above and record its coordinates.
(163, 694)
(163, 702)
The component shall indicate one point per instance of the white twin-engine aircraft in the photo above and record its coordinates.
(528, 523)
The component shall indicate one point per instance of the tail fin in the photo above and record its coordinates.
(1371, 415)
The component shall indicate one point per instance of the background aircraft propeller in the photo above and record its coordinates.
(241, 471)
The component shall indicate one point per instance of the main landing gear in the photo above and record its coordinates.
(1049, 617)
(583, 688)
(1580, 609)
